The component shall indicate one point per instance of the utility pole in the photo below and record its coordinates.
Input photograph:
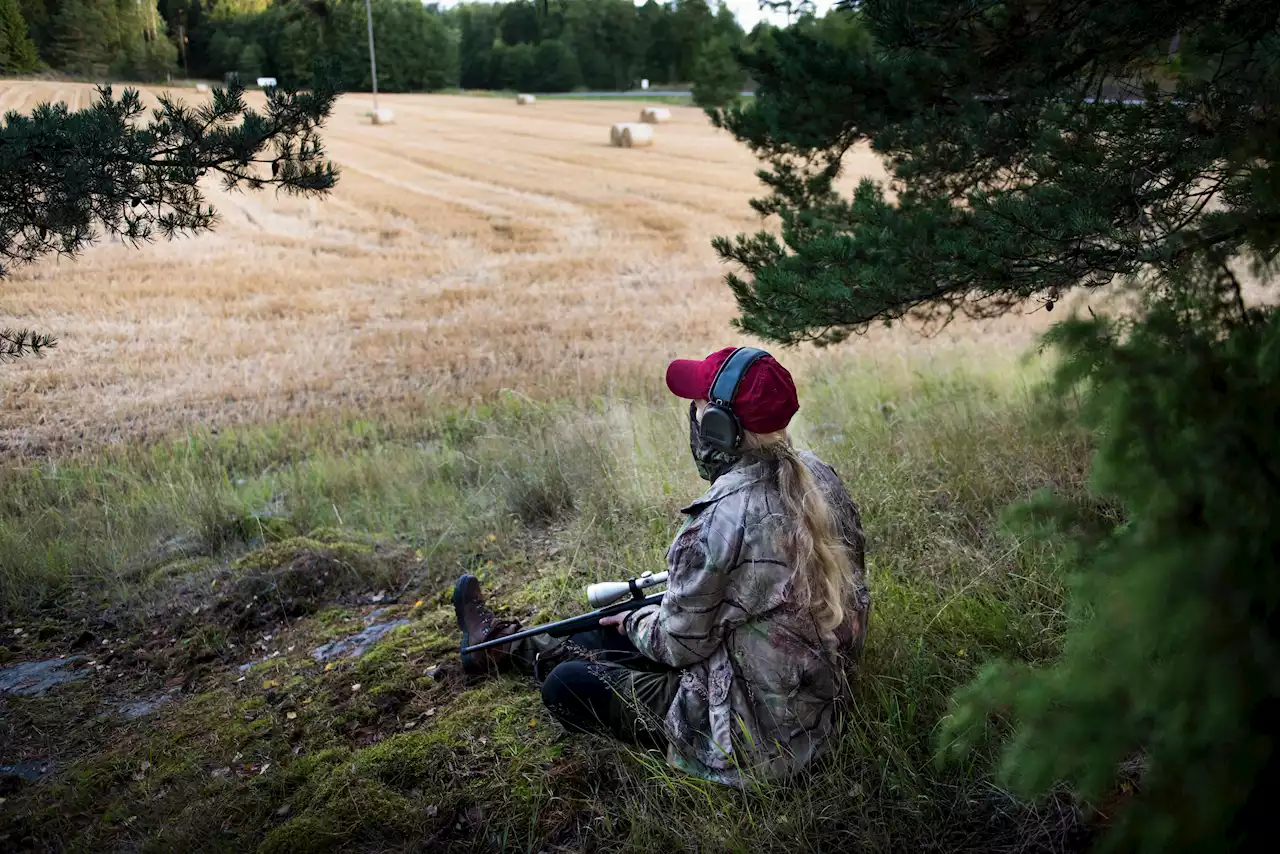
(182, 41)
(373, 63)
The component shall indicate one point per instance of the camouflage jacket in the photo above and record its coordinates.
(760, 683)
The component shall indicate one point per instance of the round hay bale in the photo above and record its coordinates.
(655, 115)
(202, 87)
(383, 116)
(615, 136)
(636, 136)
(525, 99)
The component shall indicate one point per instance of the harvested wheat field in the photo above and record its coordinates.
(473, 245)
(453, 364)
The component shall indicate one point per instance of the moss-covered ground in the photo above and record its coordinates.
(198, 576)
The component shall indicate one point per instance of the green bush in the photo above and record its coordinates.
(1170, 669)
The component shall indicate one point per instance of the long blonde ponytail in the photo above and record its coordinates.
(822, 572)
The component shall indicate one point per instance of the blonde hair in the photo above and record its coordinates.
(821, 569)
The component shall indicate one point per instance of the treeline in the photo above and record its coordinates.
(566, 45)
(598, 44)
(416, 49)
(558, 46)
(97, 38)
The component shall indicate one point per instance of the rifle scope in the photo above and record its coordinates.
(605, 593)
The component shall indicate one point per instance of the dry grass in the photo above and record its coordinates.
(472, 246)
(149, 561)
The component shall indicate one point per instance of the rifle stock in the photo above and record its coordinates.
(573, 625)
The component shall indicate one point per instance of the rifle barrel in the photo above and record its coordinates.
(572, 625)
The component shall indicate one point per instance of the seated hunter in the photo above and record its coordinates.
(740, 672)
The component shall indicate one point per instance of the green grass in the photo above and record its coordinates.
(539, 499)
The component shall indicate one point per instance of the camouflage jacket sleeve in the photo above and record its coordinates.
(688, 626)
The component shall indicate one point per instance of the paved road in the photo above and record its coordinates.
(638, 93)
(674, 93)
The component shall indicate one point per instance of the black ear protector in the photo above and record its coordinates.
(720, 427)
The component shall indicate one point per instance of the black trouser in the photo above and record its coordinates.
(600, 683)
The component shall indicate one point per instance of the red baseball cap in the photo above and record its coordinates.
(766, 398)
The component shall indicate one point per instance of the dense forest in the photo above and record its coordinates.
(98, 38)
(566, 45)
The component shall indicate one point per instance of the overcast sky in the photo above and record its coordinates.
(746, 11)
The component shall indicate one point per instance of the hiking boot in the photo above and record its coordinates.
(478, 624)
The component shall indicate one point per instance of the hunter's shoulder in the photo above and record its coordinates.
(740, 488)
(734, 482)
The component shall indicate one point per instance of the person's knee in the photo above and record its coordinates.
(565, 684)
(570, 692)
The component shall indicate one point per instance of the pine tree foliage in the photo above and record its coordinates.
(1019, 172)
(23, 342)
(68, 177)
(1172, 667)
(1035, 147)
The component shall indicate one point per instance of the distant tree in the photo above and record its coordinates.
(520, 22)
(555, 68)
(225, 47)
(476, 24)
(67, 177)
(416, 51)
(604, 37)
(622, 41)
(80, 35)
(692, 26)
(17, 52)
(249, 62)
(514, 66)
(299, 35)
(726, 25)
(717, 76)
(120, 38)
(36, 14)
(149, 52)
(653, 23)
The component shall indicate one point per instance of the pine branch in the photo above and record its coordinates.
(67, 177)
(1009, 185)
(14, 345)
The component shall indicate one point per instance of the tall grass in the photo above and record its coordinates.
(931, 453)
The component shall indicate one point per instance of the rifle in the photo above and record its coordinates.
(602, 596)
